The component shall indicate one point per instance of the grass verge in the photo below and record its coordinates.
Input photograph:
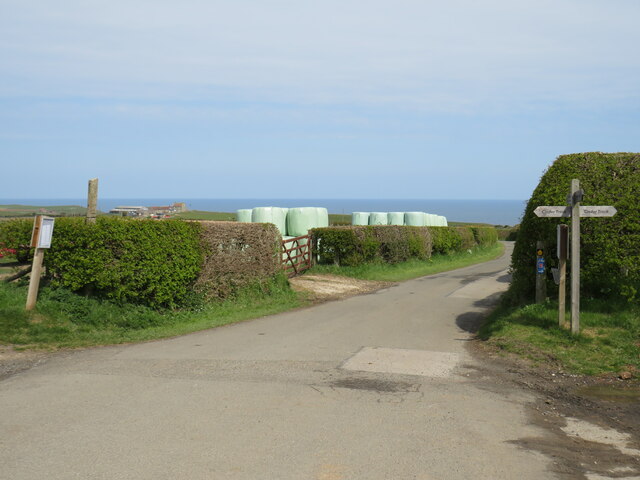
(66, 320)
(609, 340)
(414, 268)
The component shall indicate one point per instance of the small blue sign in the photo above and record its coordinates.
(540, 265)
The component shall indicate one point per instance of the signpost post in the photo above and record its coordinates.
(575, 211)
(40, 240)
(563, 244)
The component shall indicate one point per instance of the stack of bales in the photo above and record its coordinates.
(414, 219)
(291, 222)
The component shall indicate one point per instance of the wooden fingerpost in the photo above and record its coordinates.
(92, 201)
(576, 199)
(563, 243)
(541, 282)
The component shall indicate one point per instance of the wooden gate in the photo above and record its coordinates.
(296, 255)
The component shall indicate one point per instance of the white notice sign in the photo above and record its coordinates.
(46, 232)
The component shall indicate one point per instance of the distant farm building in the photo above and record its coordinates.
(130, 211)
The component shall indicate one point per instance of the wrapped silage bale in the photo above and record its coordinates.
(301, 219)
(243, 215)
(360, 218)
(273, 215)
(396, 218)
(323, 217)
(378, 218)
(431, 220)
(414, 219)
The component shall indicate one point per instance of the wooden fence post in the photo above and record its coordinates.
(92, 201)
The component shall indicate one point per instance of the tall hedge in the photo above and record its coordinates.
(140, 261)
(610, 252)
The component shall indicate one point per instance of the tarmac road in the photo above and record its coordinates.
(377, 386)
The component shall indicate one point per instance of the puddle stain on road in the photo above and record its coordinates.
(610, 394)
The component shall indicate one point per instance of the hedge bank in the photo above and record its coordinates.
(237, 255)
(610, 257)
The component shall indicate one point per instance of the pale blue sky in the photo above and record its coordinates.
(301, 99)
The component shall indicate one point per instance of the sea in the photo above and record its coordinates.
(494, 212)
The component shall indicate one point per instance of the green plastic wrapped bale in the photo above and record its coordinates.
(396, 218)
(414, 219)
(360, 218)
(431, 220)
(273, 215)
(301, 219)
(323, 217)
(378, 218)
(244, 215)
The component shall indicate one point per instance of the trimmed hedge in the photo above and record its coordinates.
(237, 255)
(16, 234)
(139, 261)
(610, 257)
(354, 245)
(157, 263)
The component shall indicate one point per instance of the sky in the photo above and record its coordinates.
(299, 99)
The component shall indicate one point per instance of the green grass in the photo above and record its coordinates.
(609, 340)
(414, 268)
(65, 320)
(203, 215)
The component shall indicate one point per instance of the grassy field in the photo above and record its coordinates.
(609, 340)
(203, 215)
(414, 268)
(66, 320)
(13, 211)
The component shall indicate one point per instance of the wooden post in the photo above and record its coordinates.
(92, 201)
(541, 283)
(575, 256)
(34, 282)
(563, 236)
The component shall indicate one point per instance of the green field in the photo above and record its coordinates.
(203, 215)
(16, 211)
